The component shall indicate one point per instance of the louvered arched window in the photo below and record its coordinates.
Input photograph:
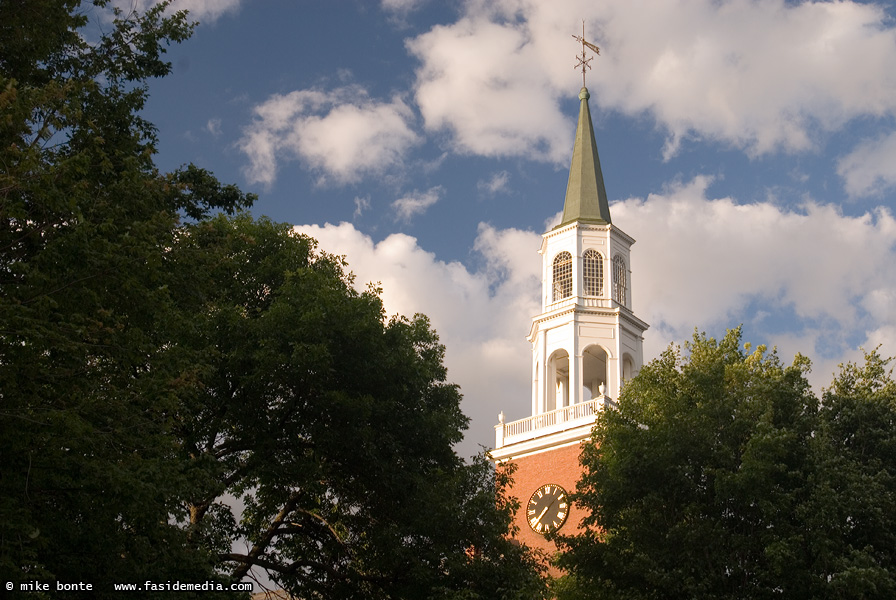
(562, 276)
(593, 271)
(619, 280)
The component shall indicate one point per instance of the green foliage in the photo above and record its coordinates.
(856, 500)
(721, 476)
(85, 221)
(168, 388)
(333, 424)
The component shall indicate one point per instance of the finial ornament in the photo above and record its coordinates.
(584, 59)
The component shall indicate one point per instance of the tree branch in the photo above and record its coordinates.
(259, 547)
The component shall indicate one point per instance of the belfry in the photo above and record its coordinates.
(586, 343)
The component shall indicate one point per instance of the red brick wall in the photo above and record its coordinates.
(558, 465)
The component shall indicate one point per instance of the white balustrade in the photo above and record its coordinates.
(549, 422)
(585, 301)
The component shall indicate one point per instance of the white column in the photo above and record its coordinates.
(614, 377)
(537, 367)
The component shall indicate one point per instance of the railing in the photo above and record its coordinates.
(598, 302)
(555, 420)
(586, 301)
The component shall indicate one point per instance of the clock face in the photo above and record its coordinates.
(547, 508)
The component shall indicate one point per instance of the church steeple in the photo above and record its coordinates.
(586, 197)
(586, 343)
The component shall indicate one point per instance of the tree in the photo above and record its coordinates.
(694, 484)
(333, 424)
(855, 503)
(85, 221)
(720, 475)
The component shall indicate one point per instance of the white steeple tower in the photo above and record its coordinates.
(587, 341)
(585, 344)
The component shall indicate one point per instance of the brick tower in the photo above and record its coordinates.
(585, 344)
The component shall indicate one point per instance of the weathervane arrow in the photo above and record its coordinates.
(584, 59)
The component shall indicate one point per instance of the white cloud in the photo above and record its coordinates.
(811, 281)
(825, 279)
(484, 83)
(199, 10)
(343, 134)
(416, 203)
(870, 168)
(763, 76)
(496, 184)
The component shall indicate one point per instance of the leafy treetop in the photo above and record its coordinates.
(721, 475)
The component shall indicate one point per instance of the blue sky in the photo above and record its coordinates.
(748, 146)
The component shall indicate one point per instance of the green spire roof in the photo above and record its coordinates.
(586, 198)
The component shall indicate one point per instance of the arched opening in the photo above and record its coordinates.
(593, 272)
(594, 371)
(562, 276)
(628, 367)
(558, 378)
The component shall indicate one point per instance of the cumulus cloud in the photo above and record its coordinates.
(870, 168)
(763, 76)
(343, 134)
(483, 82)
(760, 75)
(821, 281)
(824, 283)
(416, 203)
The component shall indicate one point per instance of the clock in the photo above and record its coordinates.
(547, 508)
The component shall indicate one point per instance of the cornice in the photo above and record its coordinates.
(635, 321)
(544, 443)
(622, 234)
(617, 312)
(581, 225)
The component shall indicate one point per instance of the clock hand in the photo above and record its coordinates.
(538, 518)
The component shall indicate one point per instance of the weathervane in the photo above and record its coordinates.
(584, 60)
